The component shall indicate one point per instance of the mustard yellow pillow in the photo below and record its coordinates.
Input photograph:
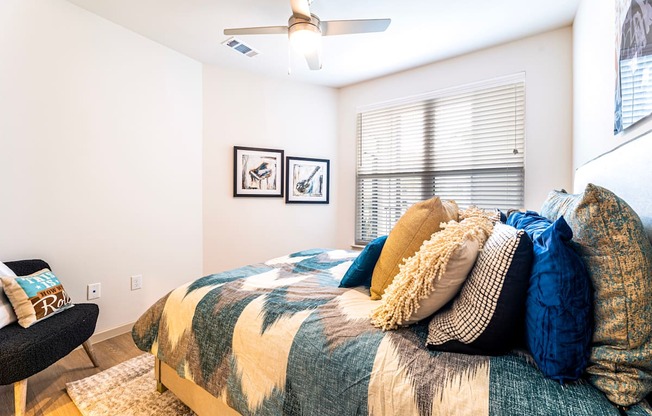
(417, 225)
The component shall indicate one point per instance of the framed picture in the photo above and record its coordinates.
(307, 180)
(257, 172)
(633, 91)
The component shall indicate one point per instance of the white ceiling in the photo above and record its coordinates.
(421, 32)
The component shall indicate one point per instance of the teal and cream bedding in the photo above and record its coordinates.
(280, 338)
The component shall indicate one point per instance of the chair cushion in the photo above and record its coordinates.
(26, 351)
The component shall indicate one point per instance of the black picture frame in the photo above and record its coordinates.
(307, 180)
(257, 172)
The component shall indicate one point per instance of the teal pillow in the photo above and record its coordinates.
(558, 307)
(359, 274)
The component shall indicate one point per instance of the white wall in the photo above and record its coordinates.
(594, 78)
(249, 110)
(101, 152)
(546, 60)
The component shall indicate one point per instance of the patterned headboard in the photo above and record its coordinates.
(626, 171)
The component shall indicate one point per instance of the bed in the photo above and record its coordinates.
(281, 338)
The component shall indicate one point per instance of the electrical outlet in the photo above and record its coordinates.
(136, 282)
(93, 291)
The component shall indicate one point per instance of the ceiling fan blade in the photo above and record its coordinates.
(263, 30)
(314, 59)
(346, 27)
(300, 8)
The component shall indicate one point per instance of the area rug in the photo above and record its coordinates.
(127, 389)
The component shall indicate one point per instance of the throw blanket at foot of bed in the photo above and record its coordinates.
(280, 338)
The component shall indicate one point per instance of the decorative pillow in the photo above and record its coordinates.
(610, 238)
(486, 316)
(417, 225)
(434, 275)
(6, 271)
(359, 274)
(558, 308)
(7, 315)
(36, 297)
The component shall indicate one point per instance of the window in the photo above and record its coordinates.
(635, 89)
(465, 144)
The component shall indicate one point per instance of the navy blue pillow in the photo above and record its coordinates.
(558, 308)
(359, 274)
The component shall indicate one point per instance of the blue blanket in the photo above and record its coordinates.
(280, 338)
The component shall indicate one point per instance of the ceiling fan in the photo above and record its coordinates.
(305, 30)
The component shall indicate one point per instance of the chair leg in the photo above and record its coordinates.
(89, 351)
(20, 397)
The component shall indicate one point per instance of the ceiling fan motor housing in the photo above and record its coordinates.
(300, 23)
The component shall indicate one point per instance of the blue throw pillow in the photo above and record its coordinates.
(558, 308)
(359, 274)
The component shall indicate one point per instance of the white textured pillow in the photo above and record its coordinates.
(6, 271)
(7, 315)
(435, 274)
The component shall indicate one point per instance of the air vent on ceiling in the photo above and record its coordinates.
(239, 46)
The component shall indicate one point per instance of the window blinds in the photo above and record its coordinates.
(465, 144)
(635, 89)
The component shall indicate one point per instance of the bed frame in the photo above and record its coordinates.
(195, 397)
(626, 170)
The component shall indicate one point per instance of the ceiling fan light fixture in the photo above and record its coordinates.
(305, 36)
(305, 30)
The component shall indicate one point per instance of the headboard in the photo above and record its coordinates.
(627, 172)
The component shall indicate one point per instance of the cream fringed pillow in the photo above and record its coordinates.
(435, 274)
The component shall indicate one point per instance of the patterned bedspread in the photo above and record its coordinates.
(280, 338)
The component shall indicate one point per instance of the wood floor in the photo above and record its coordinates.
(46, 391)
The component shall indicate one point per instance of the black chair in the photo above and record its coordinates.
(26, 351)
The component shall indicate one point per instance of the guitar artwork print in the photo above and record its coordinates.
(306, 184)
(307, 180)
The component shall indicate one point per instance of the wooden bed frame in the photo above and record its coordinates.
(199, 400)
(622, 170)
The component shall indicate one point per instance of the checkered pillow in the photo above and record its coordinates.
(487, 316)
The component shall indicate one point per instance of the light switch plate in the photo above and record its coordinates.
(136, 282)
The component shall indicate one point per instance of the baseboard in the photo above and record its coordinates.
(110, 333)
